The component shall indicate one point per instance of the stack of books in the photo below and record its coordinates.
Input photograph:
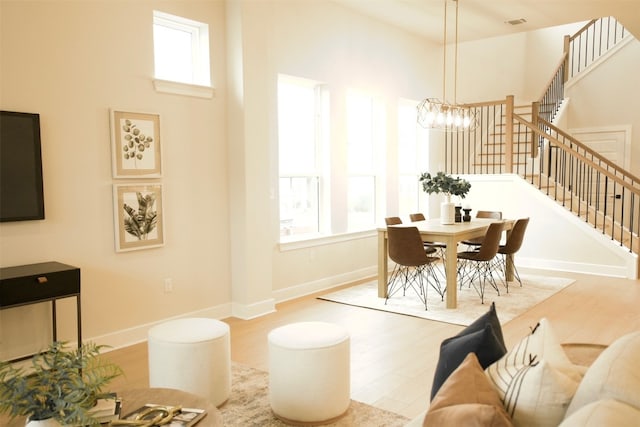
(108, 412)
(107, 409)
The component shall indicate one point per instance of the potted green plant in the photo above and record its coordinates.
(449, 186)
(59, 384)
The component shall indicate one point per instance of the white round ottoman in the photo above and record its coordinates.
(309, 372)
(191, 355)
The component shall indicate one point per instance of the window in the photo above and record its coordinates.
(301, 131)
(181, 49)
(328, 186)
(413, 159)
(365, 129)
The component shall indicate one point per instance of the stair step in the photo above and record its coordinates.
(504, 143)
(480, 165)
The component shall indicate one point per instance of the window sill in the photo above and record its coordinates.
(318, 240)
(178, 88)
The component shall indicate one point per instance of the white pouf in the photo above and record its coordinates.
(309, 372)
(191, 355)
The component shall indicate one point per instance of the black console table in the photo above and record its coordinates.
(34, 283)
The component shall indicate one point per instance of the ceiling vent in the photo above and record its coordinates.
(516, 21)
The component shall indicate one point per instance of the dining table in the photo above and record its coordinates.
(432, 230)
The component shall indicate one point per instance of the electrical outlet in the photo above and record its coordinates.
(168, 285)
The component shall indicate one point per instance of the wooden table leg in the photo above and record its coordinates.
(383, 268)
(508, 273)
(451, 267)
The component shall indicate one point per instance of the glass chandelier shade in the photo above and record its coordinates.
(436, 114)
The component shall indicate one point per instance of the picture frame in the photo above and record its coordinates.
(136, 147)
(138, 216)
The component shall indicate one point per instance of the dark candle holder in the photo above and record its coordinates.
(467, 215)
(458, 214)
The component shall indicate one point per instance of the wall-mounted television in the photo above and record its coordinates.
(21, 190)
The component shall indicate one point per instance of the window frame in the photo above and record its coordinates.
(375, 171)
(320, 137)
(200, 84)
(421, 148)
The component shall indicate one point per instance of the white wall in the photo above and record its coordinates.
(71, 61)
(555, 238)
(608, 94)
(520, 64)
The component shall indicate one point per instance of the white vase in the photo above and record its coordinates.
(49, 422)
(447, 211)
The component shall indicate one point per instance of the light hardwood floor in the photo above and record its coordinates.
(393, 357)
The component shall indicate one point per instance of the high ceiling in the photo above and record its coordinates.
(480, 19)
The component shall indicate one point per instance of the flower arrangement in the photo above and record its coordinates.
(443, 183)
(59, 384)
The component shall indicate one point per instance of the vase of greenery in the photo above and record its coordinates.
(441, 183)
(59, 385)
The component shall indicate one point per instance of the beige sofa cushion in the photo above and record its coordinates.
(615, 374)
(607, 412)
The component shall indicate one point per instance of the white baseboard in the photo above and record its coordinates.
(323, 284)
(138, 334)
(573, 267)
(251, 311)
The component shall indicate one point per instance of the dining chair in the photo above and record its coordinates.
(395, 220)
(413, 266)
(476, 265)
(477, 241)
(511, 246)
(441, 248)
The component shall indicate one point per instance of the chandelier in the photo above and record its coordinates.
(440, 114)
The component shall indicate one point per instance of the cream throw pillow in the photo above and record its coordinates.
(536, 380)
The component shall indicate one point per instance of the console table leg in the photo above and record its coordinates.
(54, 320)
(79, 322)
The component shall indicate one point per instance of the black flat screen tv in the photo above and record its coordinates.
(21, 189)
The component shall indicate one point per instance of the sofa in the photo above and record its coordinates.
(478, 382)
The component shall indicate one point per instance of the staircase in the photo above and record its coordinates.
(524, 140)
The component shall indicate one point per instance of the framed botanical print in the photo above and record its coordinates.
(139, 221)
(135, 144)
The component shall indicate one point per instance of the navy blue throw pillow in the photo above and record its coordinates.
(490, 317)
(483, 337)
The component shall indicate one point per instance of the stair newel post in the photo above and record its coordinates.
(508, 155)
(535, 113)
(565, 50)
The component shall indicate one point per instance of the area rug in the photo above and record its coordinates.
(534, 290)
(248, 405)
